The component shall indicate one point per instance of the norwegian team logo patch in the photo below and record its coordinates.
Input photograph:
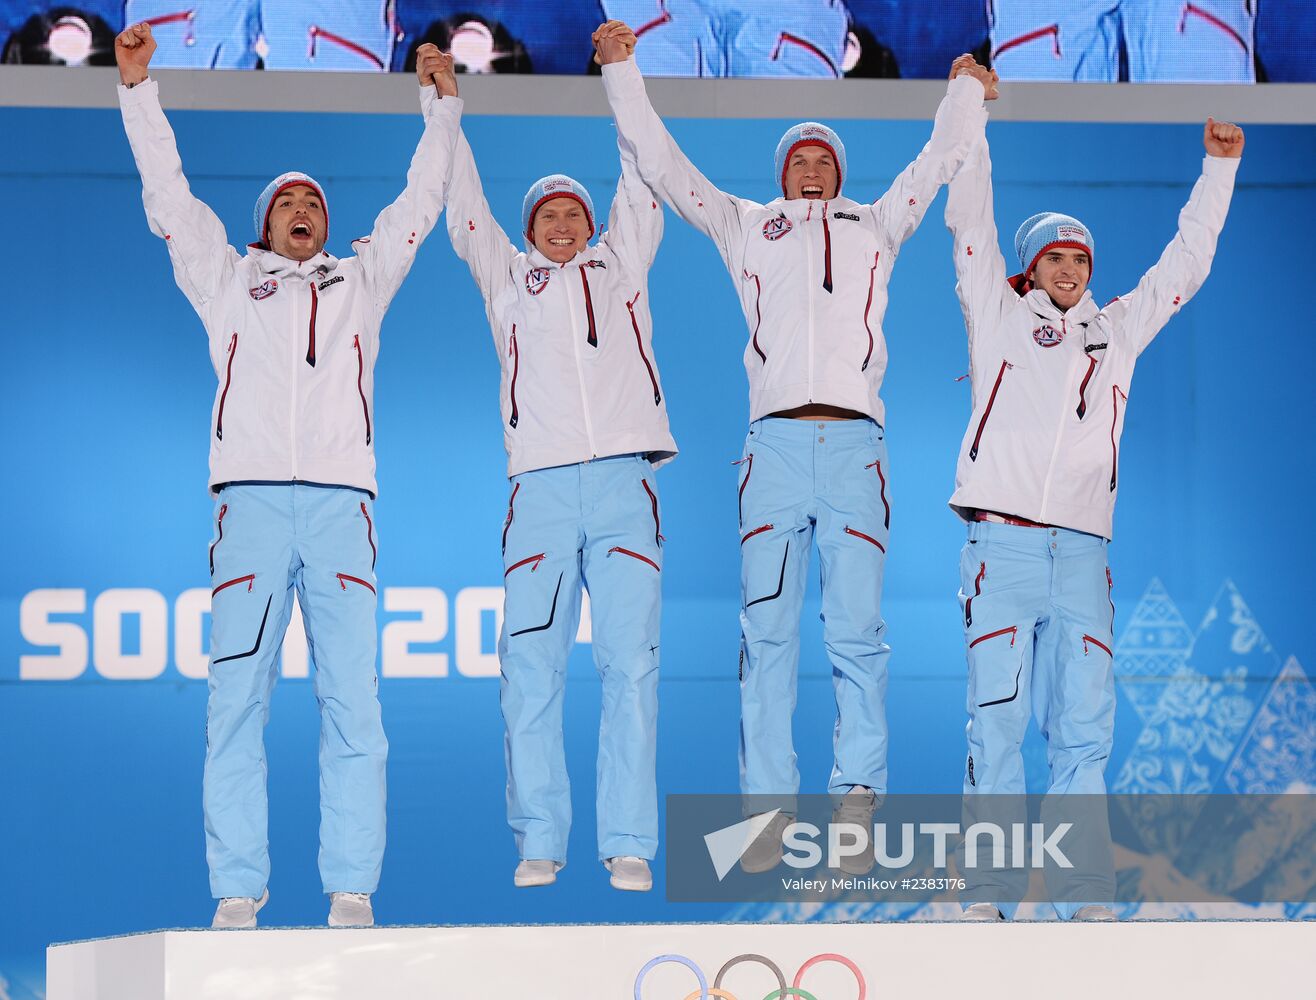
(536, 279)
(265, 289)
(775, 228)
(1047, 335)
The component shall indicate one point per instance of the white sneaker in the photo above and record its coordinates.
(982, 913)
(629, 873)
(1096, 913)
(239, 911)
(764, 853)
(536, 871)
(857, 806)
(351, 909)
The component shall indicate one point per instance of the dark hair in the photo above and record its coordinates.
(30, 43)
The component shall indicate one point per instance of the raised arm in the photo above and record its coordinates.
(1185, 263)
(476, 237)
(662, 165)
(979, 266)
(198, 246)
(387, 253)
(960, 119)
(635, 224)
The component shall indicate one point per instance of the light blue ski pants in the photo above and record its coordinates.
(595, 524)
(269, 539)
(804, 483)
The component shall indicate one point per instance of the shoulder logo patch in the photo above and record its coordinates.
(845, 215)
(332, 281)
(265, 289)
(776, 227)
(536, 279)
(1047, 335)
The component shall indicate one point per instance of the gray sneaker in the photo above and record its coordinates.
(764, 853)
(982, 913)
(1096, 914)
(857, 807)
(350, 909)
(630, 873)
(238, 911)
(536, 871)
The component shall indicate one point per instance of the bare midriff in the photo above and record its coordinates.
(819, 411)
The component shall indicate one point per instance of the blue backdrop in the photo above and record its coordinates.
(107, 392)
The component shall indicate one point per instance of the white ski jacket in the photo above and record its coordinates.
(575, 340)
(1051, 389)
(293, 344)
(811, 275)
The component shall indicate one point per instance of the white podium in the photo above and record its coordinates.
(1201, 960)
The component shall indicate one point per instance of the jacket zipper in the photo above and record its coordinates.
(344, 579)
(740, 495)
(827, 252)
(249, 580)
(757, 531)
(886, 507)
(516, 369)
(872, 277)
(360, 388)
(1013, 630)
(758, 315)
(1210, 19)
(1115, 394)
(511, 506)
(635, 325)
(316, 33)
(808, 249)
(658, 538)
(370, 536)
(977, 592)
(580, 375)
(228, 381)
(310, 333)
(592, 337)
(219, 524)
(634, 555)
(868, 538)
(1083, 388)
(991, 401)
(535, 559)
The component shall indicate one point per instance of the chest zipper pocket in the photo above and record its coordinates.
(360, 382)
(228, 382)
(986, 414)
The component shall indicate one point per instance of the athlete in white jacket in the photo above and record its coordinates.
(293, 334)
(1036, 481)
(811, 269)
(585, 426)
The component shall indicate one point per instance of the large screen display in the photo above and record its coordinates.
(1230, 41)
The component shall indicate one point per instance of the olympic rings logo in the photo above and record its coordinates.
(704, 992)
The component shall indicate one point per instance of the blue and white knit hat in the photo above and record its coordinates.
(548, 188)
(810, 134)
(265, 202)
(1046, 230)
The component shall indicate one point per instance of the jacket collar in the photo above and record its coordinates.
(1041, 305)
(808, 209)
(279, 266)
(537, 259)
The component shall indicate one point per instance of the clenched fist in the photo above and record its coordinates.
(613, 42)
(133, 48)
(438, 68)
(966, 65)
(1223, 139)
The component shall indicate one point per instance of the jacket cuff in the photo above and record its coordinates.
(437, 109)
(623, 78)
(966, 90)
(145, 92)
(1222, 167)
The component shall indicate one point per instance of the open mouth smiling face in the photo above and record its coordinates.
(297, 223)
